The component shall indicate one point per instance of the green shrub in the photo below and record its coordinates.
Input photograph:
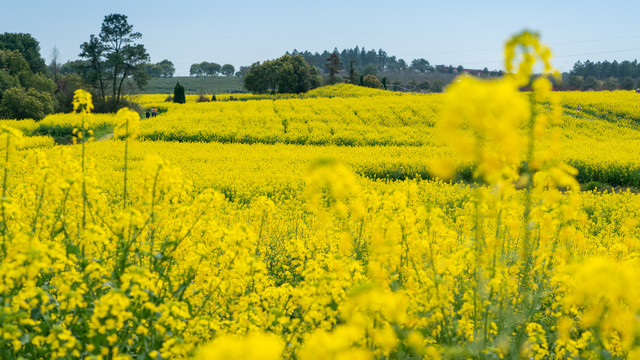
(372, 82)
(18, 103)
(598, 186)
(424, 85)
(437, 86)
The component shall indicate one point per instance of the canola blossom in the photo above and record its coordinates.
(324, 226)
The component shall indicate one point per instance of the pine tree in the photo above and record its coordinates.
(334, 65)
(353, 75)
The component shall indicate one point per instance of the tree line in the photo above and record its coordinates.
(162, 69)
(330, 68)
(205, 69)
(603, 75)
(605, 69)
(372, 62)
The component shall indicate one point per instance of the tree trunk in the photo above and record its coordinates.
(115, 82)
(124, 76)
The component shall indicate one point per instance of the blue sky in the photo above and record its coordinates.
(468, 33)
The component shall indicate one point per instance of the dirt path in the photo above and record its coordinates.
(105, 137)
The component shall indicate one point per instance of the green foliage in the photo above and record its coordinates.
(154, 71)
(242, 71)
(591, 83)
(610, 83)
(379, 63)
(424, 85)
(178, 94)
(353, 74)
(627, 83)
(18, 103)
(378, 60)
(20, 87)
(421, 66)
(66, 86)
(575, 82)
(258, 78)
(605, 69)
(168, 69)
(437, 86)
(7, 82)
(228, 70)
(597, 186)
(333, 80)
(212, 69)
(73, 67)
(14, 64)
(369, 70)
(40, 82)
(27, 46)
(205, 69)
(287, 74)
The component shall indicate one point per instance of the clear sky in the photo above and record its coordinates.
(462, 32)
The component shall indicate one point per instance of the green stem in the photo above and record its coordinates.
(527, 246)
(493, 275)
(5, 183)
(126, 163)
(476, 272)
(447, 331)
(84, 180)
(527, 301)
(152, 218)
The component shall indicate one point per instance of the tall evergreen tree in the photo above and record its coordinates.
(334, 65)
(353, 75)
(178, 94)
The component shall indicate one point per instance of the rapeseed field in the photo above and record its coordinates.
(345, 223)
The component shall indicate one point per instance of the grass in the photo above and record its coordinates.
(64, 136)
(210, 85)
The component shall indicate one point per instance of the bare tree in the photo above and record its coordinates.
(54, 67)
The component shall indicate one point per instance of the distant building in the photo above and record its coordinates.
(473, 72)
